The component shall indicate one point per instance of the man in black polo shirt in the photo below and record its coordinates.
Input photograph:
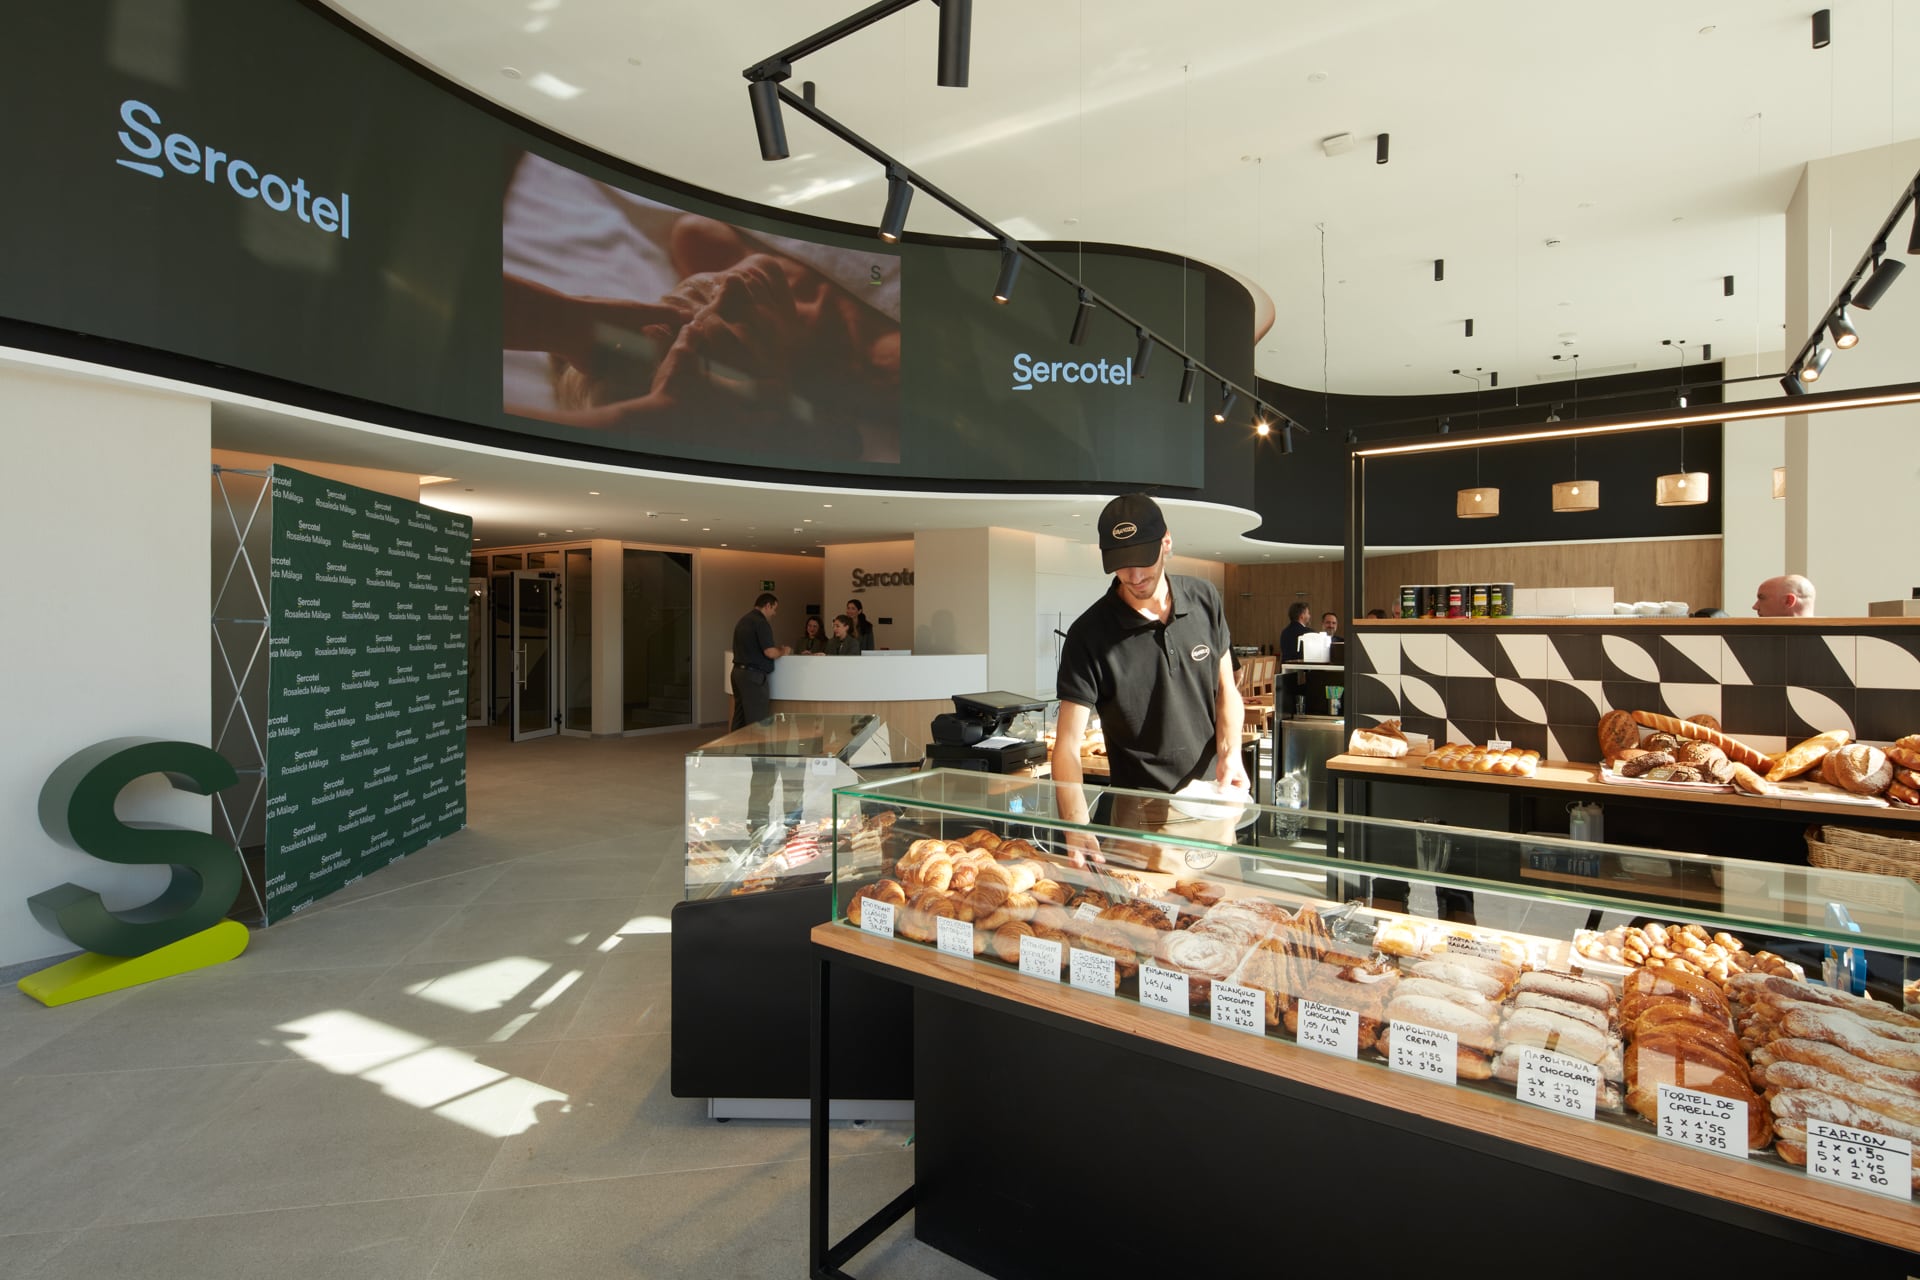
(1153, 657)
(753, 655)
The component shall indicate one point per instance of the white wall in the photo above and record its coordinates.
(975, 594)
(895, 602)
(401, 484)
(1754, 545)
(724, 586)
(1853, 477)
(110, 484)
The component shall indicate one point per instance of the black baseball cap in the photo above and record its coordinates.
(1131, 530)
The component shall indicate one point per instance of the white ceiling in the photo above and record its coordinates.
(1657, 141)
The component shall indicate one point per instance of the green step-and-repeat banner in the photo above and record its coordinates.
(366, 751)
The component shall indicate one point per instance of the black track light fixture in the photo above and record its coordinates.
(1885, 272)
(1142, 353)
(956, 40)
(1816, 362)
(1187, 377)
(1439, 270)
(1009, 272)
(1493, 379)
(1845, 336)
(1228, 398)
(1469, 326)
(1706, 351)
(767, 121)
(1262, 425)
(1380, 149)
(893, 222)
(1446, 425)
(1082, 319)
(1822, 28)
(1726, 286)
(1793, 386)
(1286, 436)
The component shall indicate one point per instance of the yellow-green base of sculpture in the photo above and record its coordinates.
(88, 975)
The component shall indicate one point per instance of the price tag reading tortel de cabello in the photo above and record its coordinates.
(1240, 1008)
(1091, 971)
(1325, 1028)
(1855, 1158)
(1423, 1051)
(1557, 1083)
(1703, 1120)
(955, 937)
(1163, 989)
(876, 917)
(1040, 958)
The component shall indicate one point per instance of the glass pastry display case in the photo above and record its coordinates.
(1759, 1012)
(760, 800)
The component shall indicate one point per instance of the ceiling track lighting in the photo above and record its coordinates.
(1261, 426)
(893, 222)
(1816, 363)
(1439, 270)
(1863, 287)
(768, 124)
(1845, 336)
(1228, 398)
(1885, 272)
(1187, 376)
(1792, 385)
(1142, 354)
(1082, 319)
(1286, 436)
(1009, 272)
(1822, 28)
(1380, 149)
(956, 42)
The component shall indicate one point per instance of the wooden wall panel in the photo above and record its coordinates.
(1257, 595)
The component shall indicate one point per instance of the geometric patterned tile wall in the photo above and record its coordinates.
(1547, 688)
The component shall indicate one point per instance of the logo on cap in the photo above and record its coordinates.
(1124, 530)
(1201, 652)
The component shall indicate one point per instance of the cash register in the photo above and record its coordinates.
(995, 732)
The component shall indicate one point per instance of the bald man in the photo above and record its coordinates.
(1788, 596)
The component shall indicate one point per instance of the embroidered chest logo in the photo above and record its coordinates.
(1201, 652)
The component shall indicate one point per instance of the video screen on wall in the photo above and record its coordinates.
(247, 183)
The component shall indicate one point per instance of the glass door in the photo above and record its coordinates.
(535, 666)
(478, 633)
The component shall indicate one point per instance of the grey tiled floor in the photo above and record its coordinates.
(455, 1068)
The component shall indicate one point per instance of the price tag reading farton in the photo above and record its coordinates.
(1240, 1008)
(1040, 958)
(1855, 1158)
(876, 917)
(1325, 1028)
(1163, 989)
(1558, 1083)
(955, 937)
(1423, 1051)
(1704, 1120)
(1091, 971)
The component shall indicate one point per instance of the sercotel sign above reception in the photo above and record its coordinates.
(1028, 372)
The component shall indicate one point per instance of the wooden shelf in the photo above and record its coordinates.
(1761, 1183)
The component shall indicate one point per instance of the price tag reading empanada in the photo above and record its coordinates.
(1425, 1052)
(1558, 1083)
(1704, 1120)
(1241, 1008)
(1163, 989)
(1855, 1158)
(876, 917)
(1325, 1028)
(1040, 958)
(955, 937)
(1091, 971)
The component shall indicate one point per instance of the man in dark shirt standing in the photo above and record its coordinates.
(753, 655)
(1154, 658)
(1297, 614)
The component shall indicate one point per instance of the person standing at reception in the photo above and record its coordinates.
(862, 626)
(753, 655)
(1788, 596)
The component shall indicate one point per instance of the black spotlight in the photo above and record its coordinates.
(1380, 149)
(1726, 286)
(1845, 336)
(1816, 362)
(956, 38)
(1706, 351)
(1878, 283)
(1009, 272)
(1187, 376)
(765, 97)
(1469, 326)
(1493, 379)
(1142, 354)
(1439, 269)
(1228, 398)
(1446, 425)
(1286, 437)
(1792, 386)
(1082, 317)
(1822, 28)
(893, 223)
(1261, 426)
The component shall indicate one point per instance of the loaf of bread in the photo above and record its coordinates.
(1383, 739)
(1745, 779)
(1904, 756)
(1860, 768)
(1901, 793)
(1618, 733)
(1736, 750)
(1806, 755)
(1705, 722)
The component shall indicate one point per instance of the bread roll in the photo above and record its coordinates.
(1544, 1029)
(1705, 722)
(1474, 1031)
(1903, 756)
(1564, 986)
(1736, 750)
(1618, 733)
(1595, 1018)
(1745, 779)
(1901, 793)
(1807, 754)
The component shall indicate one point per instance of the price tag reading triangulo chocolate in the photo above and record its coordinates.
(1704, 1120)
(876, 917)
(955, 937)
(1423, 1051)
(1163, 989)
(1855, 1158)
(1040, 958)
(1241, 1008)
(1091, 971)
(1327, 1029)
(1557, 1083)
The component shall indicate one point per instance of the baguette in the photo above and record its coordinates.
(1745, 779)
(1737, 751)
(1808, 754)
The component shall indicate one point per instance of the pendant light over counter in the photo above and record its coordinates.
(1576, 495)
(1682, 488)
(1479, 502)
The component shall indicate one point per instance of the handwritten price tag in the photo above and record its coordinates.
(1171, 909)
(1558, 1083)
(1855, 1158)
(876, 917)
(1327, 1029)
(1241, 1008)
(1703, 1120)
(1423, 1051)
(955, 937)
(1086, 911)
(1040, 958)
(1163, 989)
(1478, 948)
(1091, 971)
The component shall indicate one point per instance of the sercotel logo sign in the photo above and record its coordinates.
(1028, 372)
(146, 148)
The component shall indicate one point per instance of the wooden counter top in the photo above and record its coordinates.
(1761, 1182)
(1562, 775)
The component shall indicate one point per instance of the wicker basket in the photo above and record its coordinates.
(1854, 849)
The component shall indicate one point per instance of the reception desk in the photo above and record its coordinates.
(906, 690)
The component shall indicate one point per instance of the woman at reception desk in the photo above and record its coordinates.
(906, 690)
